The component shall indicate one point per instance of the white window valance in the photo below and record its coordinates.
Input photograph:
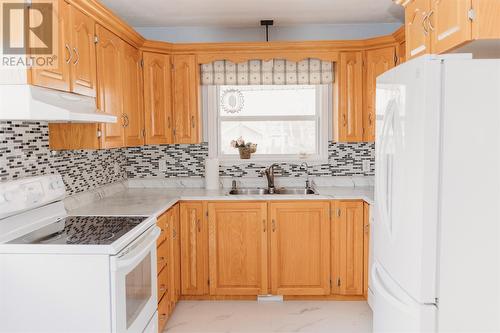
(276, 71)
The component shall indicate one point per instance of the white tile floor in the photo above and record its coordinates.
(251, 316)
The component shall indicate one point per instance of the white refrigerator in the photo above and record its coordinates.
(436, 238)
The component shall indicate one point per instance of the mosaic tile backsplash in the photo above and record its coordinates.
(346, 159)
(24, 152)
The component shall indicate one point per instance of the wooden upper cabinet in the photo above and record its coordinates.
(300, 248)
(486, 24)
(133, 107)
(377, 62)
(449, 23)
(349, 118)
(238, 248)
(59, 76)
(157, 98)
(83, 63)
(187, 126)
(401, 52)
(194, 249)
(110, 94)
(417, 30)
(348, 248)
(76, 57)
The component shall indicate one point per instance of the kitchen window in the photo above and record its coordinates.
(287, 122)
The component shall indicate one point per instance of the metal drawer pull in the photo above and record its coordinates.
(68, 59)
(77, 56)
(274, 225)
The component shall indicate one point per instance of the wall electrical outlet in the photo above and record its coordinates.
(162, 165)
(366, 165)
(116, 168)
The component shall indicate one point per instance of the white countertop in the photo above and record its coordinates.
(155, 201)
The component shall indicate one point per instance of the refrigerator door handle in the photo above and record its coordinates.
(384, 166)
(381, 287)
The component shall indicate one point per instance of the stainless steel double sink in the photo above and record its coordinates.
(278, 191)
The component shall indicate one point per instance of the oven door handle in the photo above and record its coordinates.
(133, 257)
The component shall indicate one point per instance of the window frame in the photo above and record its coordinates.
(210, 103)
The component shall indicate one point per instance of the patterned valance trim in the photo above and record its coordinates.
(276, 71)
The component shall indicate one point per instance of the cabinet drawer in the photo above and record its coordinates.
(162, 223)
(162, 256)
(163, 311)
(163, 284)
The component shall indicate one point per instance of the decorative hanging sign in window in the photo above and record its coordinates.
(232, 101)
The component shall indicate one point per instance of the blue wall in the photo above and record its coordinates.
(284, 33)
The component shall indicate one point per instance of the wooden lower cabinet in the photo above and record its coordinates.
(300, 247)
(348, 248)
(238, 248)
(175, 255)
(168, 264)
(366, 246)
(194, 248)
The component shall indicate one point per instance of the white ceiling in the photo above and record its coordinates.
(247, 13)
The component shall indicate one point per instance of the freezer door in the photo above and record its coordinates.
(406, 181)
(394, 310)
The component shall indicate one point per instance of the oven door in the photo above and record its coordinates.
(133, 282)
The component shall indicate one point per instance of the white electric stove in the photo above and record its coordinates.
(63, 273)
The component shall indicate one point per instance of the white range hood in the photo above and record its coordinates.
(27, 102)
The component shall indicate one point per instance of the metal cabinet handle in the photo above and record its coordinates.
(77, 56)
(192, 121)
(264, 225)
(429, 20)
(274, 225)
(124, 123)
(174, 233)
(198, 225)
(70, 55)
(426, 31)
(127, 122)
(344, 121)
(370, 118)
(163, 288)
(169, 122)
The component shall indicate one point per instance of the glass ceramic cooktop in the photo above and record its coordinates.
(86, 230)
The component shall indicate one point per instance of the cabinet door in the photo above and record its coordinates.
(175, 263)
(377, 62)
(59, 76)
(350, 114)
(237, 248)
(157, 98)
(83, 64)
(417, 32)
(347, 249)
(109, 98)
(187, 125)
(194, 249)
(366, 246)
(449, 23)
(401, 52)
(132, 96)
(300, 248)
(486, 24)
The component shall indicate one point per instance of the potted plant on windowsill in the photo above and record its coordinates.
(246, 149)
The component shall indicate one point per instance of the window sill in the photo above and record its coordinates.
(267, 161)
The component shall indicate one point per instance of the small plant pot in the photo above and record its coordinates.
(245, 152)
